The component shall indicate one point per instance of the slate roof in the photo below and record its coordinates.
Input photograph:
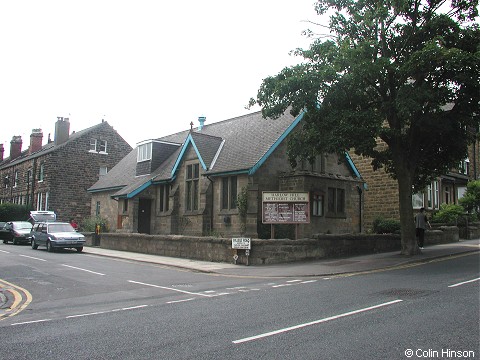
(237, 145)
(49, 147)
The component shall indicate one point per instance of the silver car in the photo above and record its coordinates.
(56, 235)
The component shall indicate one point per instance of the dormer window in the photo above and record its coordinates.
(144, 152)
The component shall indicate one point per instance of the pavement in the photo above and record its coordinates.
(324, 267)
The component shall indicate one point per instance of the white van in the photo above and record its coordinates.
(42, 216)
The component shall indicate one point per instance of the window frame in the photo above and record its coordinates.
(192, 179)
(336, 202)
(144, 152)
(229, 193)
(318, 204)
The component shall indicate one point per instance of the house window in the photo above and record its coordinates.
(125, 206)
(192, 177)
(447, 195)
(103, 170)
(97, 208)
(164, 196)
(229, 192)
(336, 201)
(46, 200)
(103, 146)
(40, 202)
(317, 205)
(144, 152)
(40, 173)
(15, 182)
(6, 181)
(93, 145)
(463, 167)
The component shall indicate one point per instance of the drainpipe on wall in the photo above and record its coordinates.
(360, 207)
(212, 204)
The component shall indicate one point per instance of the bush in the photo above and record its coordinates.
(449, 214)
(385, 226)
(88, 224)
(14, 212)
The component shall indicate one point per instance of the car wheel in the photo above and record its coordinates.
(34, 245)
(49, 246)
(15, 242)
(80, 249)
(5, 241)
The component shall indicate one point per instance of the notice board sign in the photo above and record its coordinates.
(285, 208)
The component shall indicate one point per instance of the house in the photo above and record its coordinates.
(56, 176)
(193, 182)
(381, 198)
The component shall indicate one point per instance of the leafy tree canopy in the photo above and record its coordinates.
(405, 72)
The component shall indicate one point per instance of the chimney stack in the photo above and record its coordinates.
(2, 150)
(15, 147)
(201, 120)
(36, 138)
(62, 130)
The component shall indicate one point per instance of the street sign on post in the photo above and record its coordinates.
(241, 243)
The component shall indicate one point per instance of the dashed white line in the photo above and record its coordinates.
(6, 252)
(271, 333)
(179, 301)
(34, 258)
(169, 288)
(464, 282)
(77, 268)
(31, 322)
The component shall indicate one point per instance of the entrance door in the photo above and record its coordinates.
(144, 212)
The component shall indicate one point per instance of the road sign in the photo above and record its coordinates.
(241, 243)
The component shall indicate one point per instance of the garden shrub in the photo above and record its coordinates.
(386, 226)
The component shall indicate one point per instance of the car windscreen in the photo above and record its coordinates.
(56, 228)
(21, 225)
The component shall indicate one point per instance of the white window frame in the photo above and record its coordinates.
(103, 170)
(93, 145)
(102, 147)
(144, 152)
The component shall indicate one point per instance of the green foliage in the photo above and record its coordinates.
(449, 214)
(242, 199)
(14, 212)
(88, 224)
(386, 226)
(471, 198)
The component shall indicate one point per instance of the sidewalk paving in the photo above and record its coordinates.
(324, 267)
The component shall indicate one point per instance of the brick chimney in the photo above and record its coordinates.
(2, 150)
(62, 130)
(15, 147)
(36, 138)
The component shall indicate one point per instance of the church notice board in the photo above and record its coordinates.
(285, 208)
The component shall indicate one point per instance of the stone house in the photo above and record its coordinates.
(381, 196)
(56, 176)
(192, 182)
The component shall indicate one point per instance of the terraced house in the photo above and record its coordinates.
(55, 176)
(209, 180)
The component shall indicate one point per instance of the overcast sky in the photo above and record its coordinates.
(148, 67)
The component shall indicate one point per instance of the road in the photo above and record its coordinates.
(84, 306)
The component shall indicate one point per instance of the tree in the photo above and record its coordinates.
(404, 72)
(471, 199)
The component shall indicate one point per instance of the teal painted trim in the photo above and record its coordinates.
(276, 144)
(184, 148)
(354, 169)
(139, 189)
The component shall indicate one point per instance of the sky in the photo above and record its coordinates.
(148, 67)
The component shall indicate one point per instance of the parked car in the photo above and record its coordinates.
(56, 235)
(16, 232)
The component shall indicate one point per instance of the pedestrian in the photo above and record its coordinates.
(74, 224)
(421, 222)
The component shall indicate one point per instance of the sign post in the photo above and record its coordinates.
(243, 244)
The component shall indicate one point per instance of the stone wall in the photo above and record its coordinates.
(263, 251)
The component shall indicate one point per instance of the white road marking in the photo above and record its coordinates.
(463, 283)
(169, 288)
(271, 333)
(180, 301)
(34, 258)
(293, 281)
(308, 281)
(6, 252)
(31, 322)
(77, 268)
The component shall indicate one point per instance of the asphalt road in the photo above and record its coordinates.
(91, 307)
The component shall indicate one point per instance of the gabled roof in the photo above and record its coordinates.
(49, 147)
(234, 146)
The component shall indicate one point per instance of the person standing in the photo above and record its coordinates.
(421, 222)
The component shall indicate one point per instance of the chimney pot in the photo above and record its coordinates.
(15, 147)
(201, 120)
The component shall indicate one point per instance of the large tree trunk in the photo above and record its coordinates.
(407, 224)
